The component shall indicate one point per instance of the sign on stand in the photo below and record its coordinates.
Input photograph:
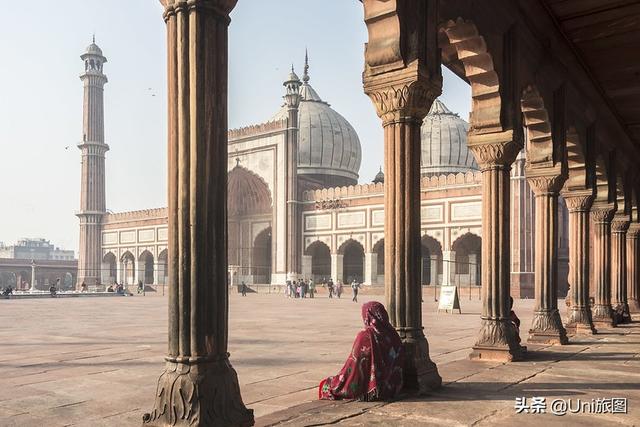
(449, 299)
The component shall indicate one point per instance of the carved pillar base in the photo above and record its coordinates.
(497, 342)
(634, 306)
(204, 394)
(580, 321)
(602, 316)
(420, 373)
(547, 328)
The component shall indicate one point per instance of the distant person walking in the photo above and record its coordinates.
(312, 288)
(303, 289)
(330, 287)
(243, 289)
(339, 288)
(354, 289)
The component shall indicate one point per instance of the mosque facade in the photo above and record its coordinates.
(295, 208)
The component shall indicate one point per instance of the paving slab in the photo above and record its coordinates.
(95, 362)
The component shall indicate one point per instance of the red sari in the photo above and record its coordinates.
(373, 370)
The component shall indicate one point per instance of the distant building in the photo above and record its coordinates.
(295, 208)
(36, 249)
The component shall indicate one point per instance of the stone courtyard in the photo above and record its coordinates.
(95, 362)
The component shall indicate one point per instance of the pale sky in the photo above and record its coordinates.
(41, 96)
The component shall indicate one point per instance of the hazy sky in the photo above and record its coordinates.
(41, 96)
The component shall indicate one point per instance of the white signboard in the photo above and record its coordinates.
(449, 299)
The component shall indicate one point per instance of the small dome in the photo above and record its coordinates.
(93, 49)
(379, 177)
(292, 77)
(329, 150)
(444, 143)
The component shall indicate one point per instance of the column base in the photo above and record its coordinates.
(205, 394)
(602, 316)
(547, 328)
(420, 374)
(579, 321)
(498, 341)
(634, 306)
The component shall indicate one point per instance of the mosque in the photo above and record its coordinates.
(296, 209)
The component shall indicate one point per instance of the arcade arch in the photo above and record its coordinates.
(352, 261)
(431, 260)
(320, 261)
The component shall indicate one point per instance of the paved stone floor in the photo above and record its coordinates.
(95, 361)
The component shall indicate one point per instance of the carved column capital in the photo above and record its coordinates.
(602, 213)
(620, 223)
(578, 201)
(549, 181)
(401, 94)
(221, 8)
(494, 149)
(634, 231)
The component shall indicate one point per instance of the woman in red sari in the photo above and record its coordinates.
(373, 370)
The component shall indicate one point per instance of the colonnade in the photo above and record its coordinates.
(402, 77)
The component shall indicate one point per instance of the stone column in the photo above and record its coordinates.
(619, 227)
(633, 268)
(33, 276)
(473, 269)
(118, 272)
(579, 204)
(402, 99)
(546, 327)
(602, 315)
(448, 268)
(199, 387)
(371, 268)
(306, 266)
(497, 339)
(434, 270)
(336, 267)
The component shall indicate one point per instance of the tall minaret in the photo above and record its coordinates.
(292, 100)
(93, 148)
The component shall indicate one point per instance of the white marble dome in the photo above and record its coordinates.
(329, 150)
(444, 143)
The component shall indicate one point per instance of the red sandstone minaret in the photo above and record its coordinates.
(93, 148)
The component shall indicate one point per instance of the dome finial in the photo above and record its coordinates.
(94, 37)
(305, 76)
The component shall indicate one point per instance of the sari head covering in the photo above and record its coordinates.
(373, 370)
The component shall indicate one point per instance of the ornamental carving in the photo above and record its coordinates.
(549, 184)
(602, 214)
(204, 394)
(497, 333)
(634, 231)
(330, 204)
(547, 322)
(409, 100)
(578, 202)
(619, 225)
(495, 153)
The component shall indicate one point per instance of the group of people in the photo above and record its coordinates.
(338, 288)
(300, 288)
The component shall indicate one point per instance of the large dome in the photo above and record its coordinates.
(444, 143)
(329, 151)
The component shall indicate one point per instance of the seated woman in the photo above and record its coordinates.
(373, 370)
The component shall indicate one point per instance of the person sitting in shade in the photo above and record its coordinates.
(516, 322)
(373, 370)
